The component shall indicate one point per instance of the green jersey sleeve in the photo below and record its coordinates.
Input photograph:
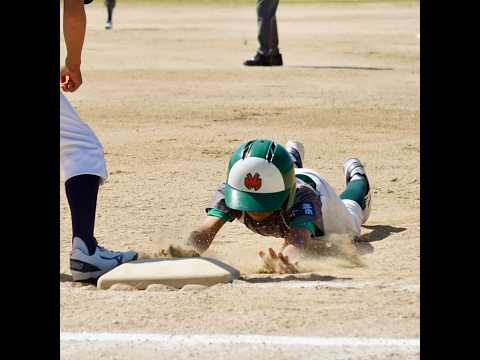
(220, 214)
(218, 208)
(309, 225)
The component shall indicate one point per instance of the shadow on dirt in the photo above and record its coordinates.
(340, 67)
(68, 278)
(65, 278)
(379, 232)
(310, 277)
(363, 247)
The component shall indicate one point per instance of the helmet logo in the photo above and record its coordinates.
(253, 182)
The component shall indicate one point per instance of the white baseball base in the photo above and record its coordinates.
(172, 272)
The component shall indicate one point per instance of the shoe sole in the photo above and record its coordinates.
(87, 277)
(91, 276)
(267, 65)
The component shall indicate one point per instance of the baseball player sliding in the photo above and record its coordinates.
(271, 193)
(82, 159)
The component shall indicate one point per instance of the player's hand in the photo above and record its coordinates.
(278, 263)
(179, 252)
(70, 78)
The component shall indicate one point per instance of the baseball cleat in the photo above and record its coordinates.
(353, 167)
(108, 25)
(296, 151)
(276, 60)
(86, 267)
(263, 60)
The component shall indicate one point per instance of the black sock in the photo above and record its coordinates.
(110, 12)
(82, 193)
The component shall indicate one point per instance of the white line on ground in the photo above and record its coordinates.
(332, 284)
(238, 339)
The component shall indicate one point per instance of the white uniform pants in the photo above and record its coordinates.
(81, 152)
(339, 216)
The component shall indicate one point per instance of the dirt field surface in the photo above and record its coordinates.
(166, 92)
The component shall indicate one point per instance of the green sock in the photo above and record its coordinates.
(356, 191)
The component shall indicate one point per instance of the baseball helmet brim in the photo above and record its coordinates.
(258, 202)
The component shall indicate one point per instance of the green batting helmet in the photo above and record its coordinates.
(260, 177)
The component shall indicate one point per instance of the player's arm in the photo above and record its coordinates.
(201, 238)
(218, 214)
(298, 237)
(286, 260)
(198, 241)
(306, 223)
(297, 240)
(74, 25)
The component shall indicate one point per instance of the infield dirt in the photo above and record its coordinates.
(166, 93)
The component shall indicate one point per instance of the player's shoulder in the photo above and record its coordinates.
(304, 193)
(304, 185)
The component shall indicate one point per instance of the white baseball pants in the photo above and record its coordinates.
(339, 216)
(81, 152)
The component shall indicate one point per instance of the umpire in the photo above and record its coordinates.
(268, 53)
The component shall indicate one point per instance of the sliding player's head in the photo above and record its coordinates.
(260, 178)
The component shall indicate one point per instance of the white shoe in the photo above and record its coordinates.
(108, 25)
(86, 267)
(353, 167)
(296, 151)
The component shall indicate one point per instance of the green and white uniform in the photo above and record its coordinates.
(316, 207)
(262, 179)
(306, 212)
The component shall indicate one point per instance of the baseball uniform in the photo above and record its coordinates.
(316, 207)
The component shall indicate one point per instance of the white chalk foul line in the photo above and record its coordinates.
(413, 287)
(164, 339)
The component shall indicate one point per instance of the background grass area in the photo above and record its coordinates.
(253, 1)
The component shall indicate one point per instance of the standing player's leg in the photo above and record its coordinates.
(276, 57)
(267, 52)
(83, 162)
(110, 4)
